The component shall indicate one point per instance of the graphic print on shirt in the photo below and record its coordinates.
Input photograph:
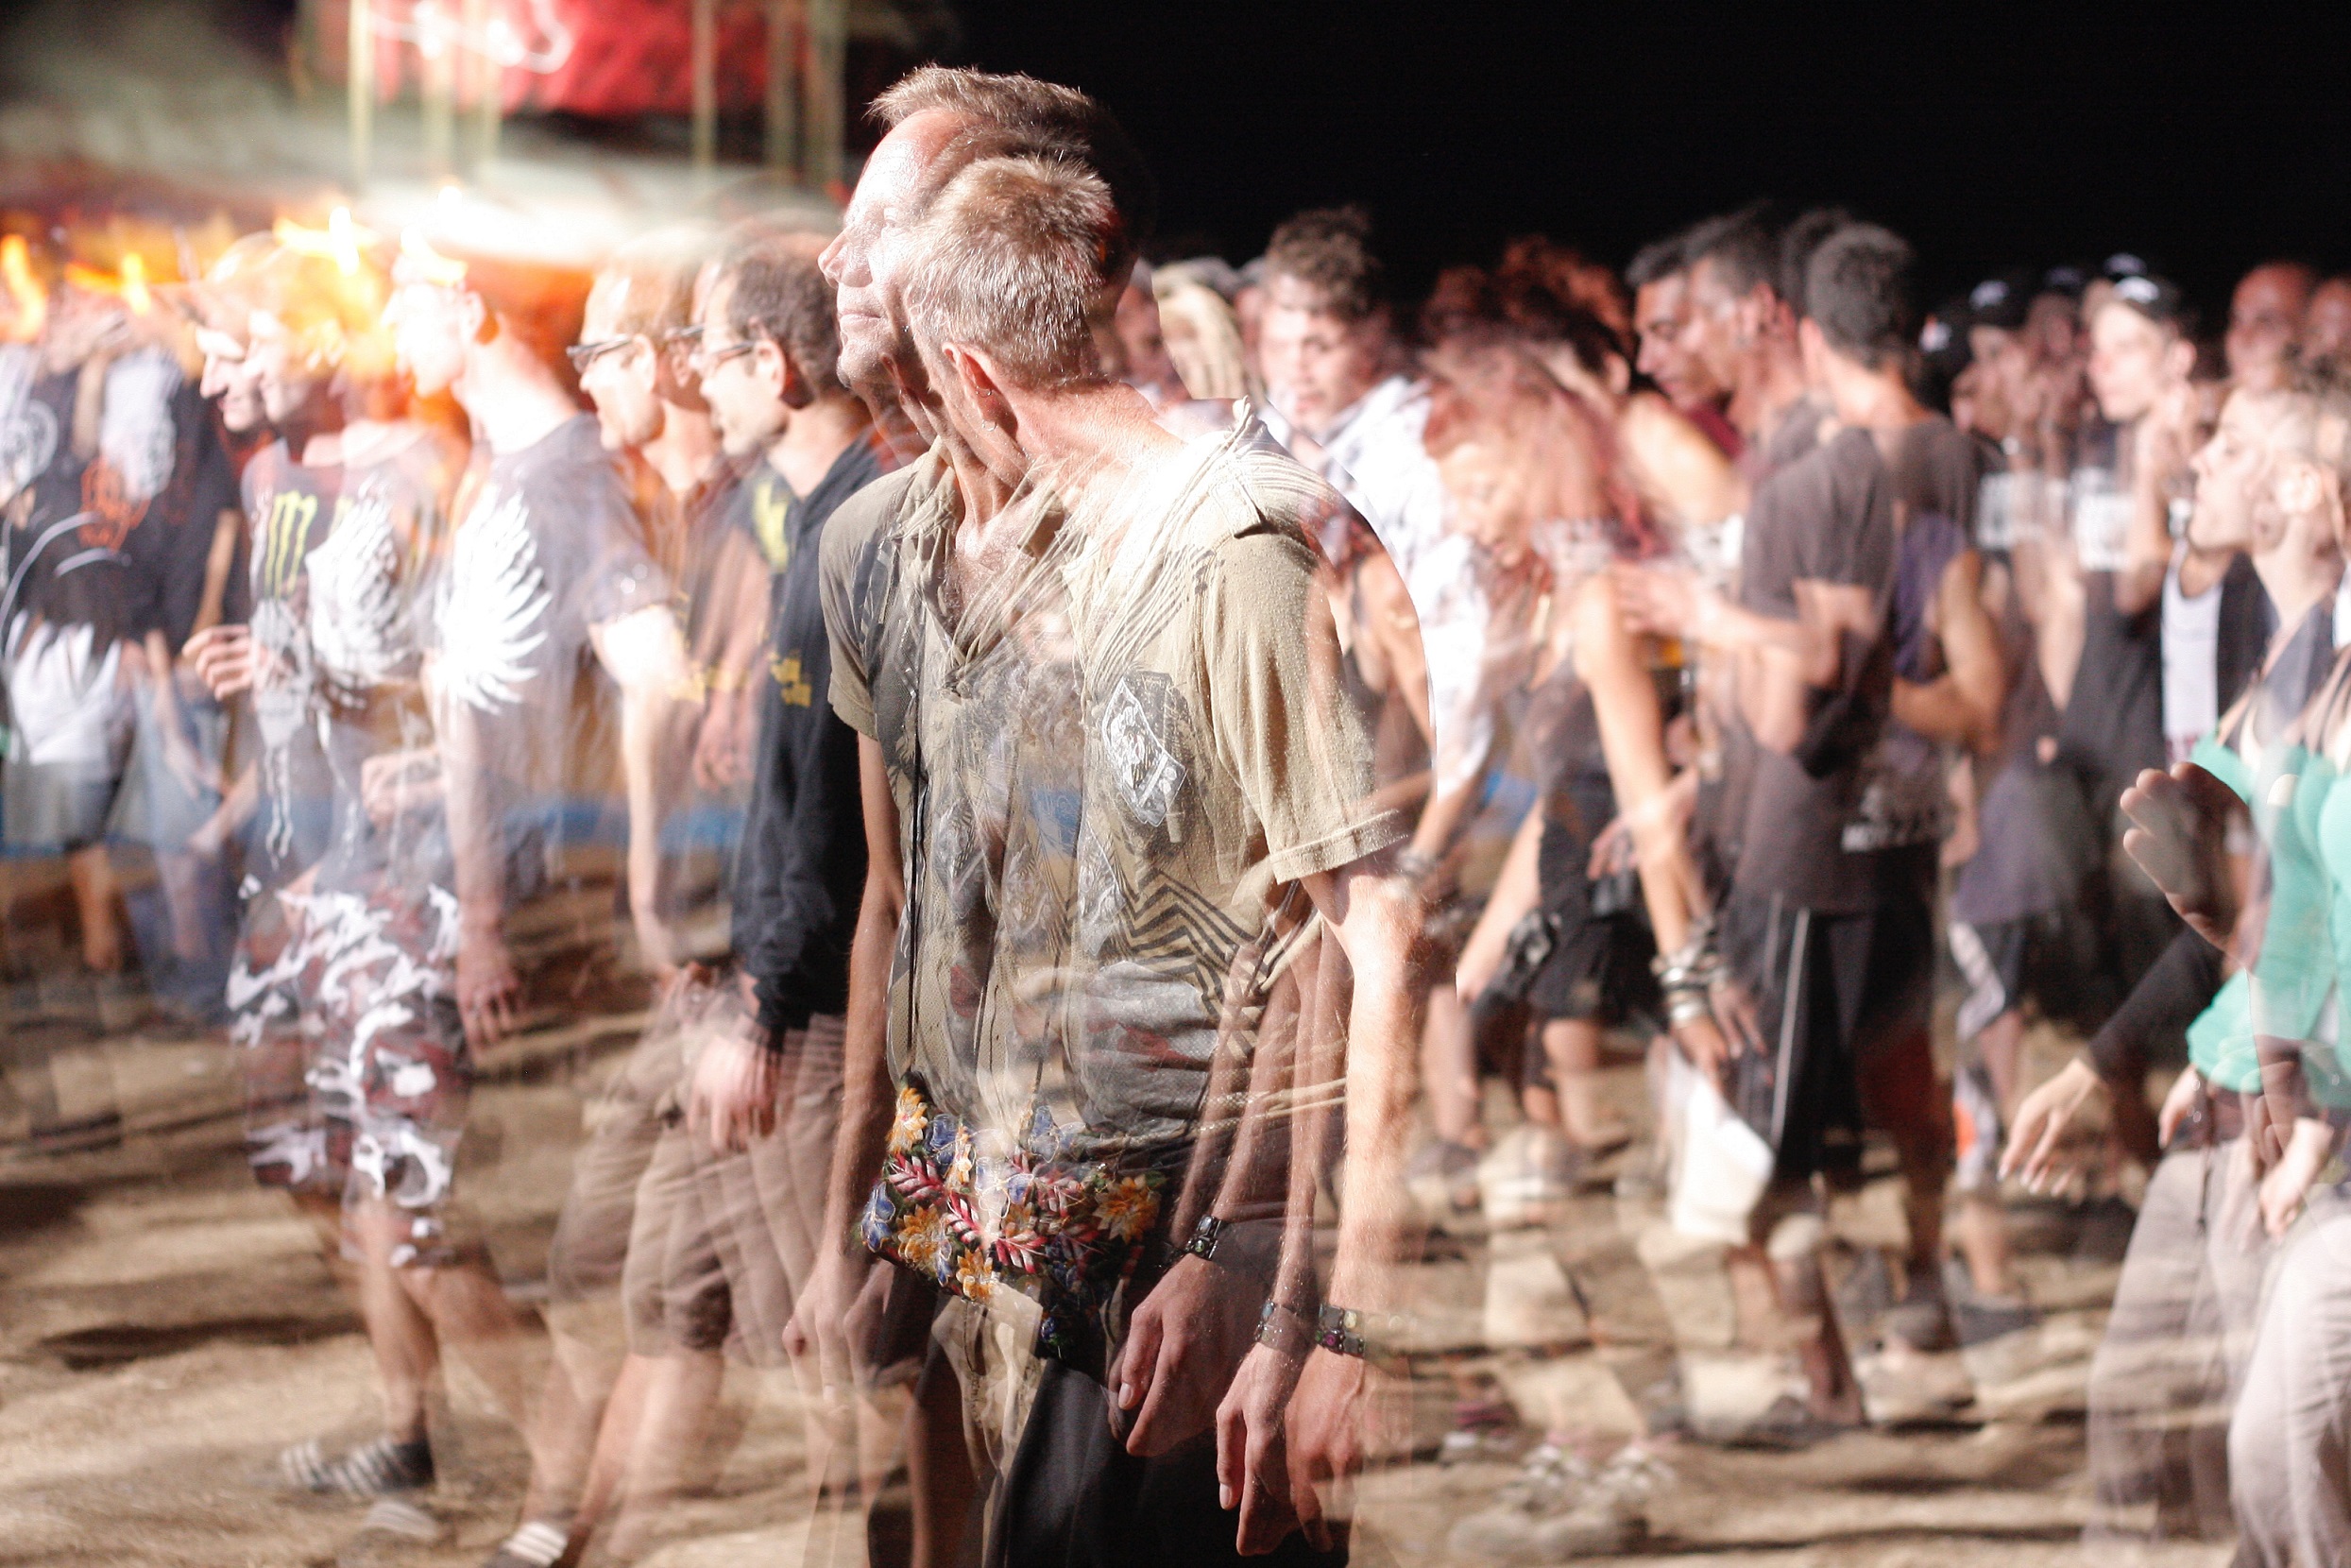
(495, 617)
(355, 629)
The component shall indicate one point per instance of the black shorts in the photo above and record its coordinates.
(1829, 989)
(1598, 966)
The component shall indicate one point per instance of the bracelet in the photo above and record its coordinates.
(1341, 1331)
(1693, 967)
(1204, 1237)
(1293, 1340)
(1687, 1006)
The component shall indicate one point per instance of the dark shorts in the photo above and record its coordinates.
(1598, 966)
(1832, 992)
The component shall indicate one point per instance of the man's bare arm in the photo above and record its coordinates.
(645, 654)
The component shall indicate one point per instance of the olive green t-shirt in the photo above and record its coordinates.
(1110, 776)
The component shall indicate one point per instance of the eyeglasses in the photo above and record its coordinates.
(582, 355)
(707, 359)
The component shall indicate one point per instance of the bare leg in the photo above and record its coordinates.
(1449, 1071)
(682, 1392)
(400, 1333)
(1573, 1047)
(939, 1469)
(93, 876)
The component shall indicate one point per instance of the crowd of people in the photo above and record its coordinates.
(1137, 797)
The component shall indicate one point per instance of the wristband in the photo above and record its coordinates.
(1341, 1331)
(1294, 1337)
(1206, 1236)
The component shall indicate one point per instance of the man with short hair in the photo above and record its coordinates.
(1660, 276)
(554, 615)
(2266, 316)
(1738, 325)
(1122, 633)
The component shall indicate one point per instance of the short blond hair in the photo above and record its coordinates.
(1009, 259)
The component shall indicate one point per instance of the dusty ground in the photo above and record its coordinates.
(166, 1327)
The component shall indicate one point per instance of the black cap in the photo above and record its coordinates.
(2001, 301)
(2156, 299)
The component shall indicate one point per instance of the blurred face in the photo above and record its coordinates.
(863, 261)
(2264, 322)
(741, 379)
(2131, 361)
(1316, 366)
(1491, 499)
(620, 374)
(2327, 330)
(1142, 340)
(287, 378)
(2235, 471)
(430, 328)
(229, 381)
(1713, 337)
(1660, 311)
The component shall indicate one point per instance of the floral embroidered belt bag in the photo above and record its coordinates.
(1067, 1233)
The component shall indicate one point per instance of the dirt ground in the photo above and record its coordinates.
(166, 1327)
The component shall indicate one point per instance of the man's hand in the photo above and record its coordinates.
(395, 782)
(1735, 1015)
(2308, 1147)
(835, 1315)
(226, 659)
(723, 745)
(2187, 1096)
(1703, 1041)
(1341, 1412)
(1253, 1470)
(1613, 850)
(1183, 1346)
(737, 1083)
(2181, 841)
(2042, 1121)
(1662, 601)
(488, 987)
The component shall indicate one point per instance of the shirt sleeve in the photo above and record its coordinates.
(618, 574)
(1279, 714)
(849, 557)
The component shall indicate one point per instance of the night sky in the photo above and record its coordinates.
(1990, 136)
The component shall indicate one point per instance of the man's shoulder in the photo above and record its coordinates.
(874, 509)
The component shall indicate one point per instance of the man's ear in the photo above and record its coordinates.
(481, 322)
(976, 373)
(2302, 486)
(2179, 360)
(782, 374)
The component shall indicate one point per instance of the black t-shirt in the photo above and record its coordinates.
(1828, 518)
(170, 549)
(546, 549)
(801, 869)
(2112, 726)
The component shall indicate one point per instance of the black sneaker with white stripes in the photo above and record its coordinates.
(376, 1469)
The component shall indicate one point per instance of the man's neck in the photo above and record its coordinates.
(814, 439)
(1091, 429)
(1879, 401)
(513, 400)
(2297, 579)
(1774, 382)
(683, 452)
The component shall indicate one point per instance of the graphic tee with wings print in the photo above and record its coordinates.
(373, 584)
(546, 549)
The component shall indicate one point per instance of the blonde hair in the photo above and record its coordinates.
(1204, 338)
